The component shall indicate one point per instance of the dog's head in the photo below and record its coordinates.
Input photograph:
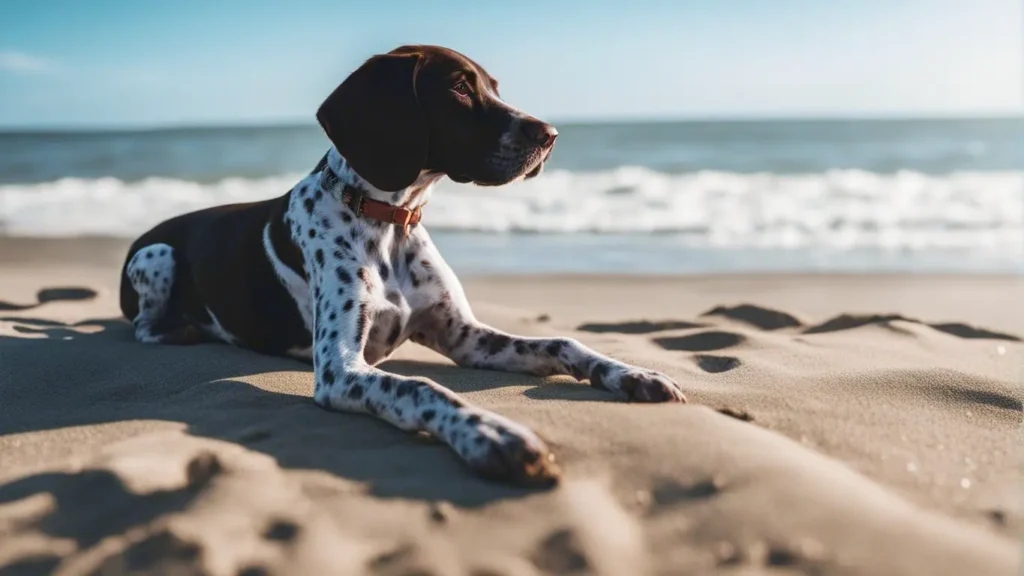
(427, 108)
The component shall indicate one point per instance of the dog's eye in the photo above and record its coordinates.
(462, 89)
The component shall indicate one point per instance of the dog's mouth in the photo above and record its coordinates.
(536, 170)
(503, 170)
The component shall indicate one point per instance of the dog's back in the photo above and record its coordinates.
(178, 252)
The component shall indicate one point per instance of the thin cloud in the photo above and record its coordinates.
(22, 63)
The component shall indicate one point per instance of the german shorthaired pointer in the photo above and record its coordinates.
(338, 269)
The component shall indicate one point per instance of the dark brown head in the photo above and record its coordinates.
(430, 109)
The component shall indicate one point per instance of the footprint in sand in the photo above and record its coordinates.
(702, 341)
(736, 413)
(55, 294)
(160, 553)
(673, 492)
(561, 552)
(851, 321)
(760, 317)
(716, 364)
(202, 468)
(639, 326)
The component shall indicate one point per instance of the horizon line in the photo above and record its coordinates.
(568, 121)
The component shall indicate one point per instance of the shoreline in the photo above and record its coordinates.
(552, 255)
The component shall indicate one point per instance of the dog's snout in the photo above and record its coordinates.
(539, 133)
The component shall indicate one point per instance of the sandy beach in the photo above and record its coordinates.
(858, 424)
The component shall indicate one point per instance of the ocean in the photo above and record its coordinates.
(641, 197)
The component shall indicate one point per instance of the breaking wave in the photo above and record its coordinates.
(837, 208)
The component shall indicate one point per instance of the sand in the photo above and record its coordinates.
(836, 425)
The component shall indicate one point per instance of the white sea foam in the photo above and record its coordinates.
(838, 209)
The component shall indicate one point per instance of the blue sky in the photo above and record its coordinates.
(142, 62)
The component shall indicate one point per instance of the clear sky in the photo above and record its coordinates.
(149, 62)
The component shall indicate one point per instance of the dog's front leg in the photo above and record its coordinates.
(492, 445)
(447, 325)
(471, 343)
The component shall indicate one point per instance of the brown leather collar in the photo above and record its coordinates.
(362, 206)
(389, 213)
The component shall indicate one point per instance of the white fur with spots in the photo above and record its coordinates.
(151, 272)
(372, 288)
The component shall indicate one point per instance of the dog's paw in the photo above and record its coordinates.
(499, 449)
(637, 384)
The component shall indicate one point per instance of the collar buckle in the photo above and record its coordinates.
(401, 216)
(354, 199)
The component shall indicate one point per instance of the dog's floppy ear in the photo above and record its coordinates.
(374, 120)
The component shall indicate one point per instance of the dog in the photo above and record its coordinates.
(340, 271)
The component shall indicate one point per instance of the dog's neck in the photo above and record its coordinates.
(338, 174)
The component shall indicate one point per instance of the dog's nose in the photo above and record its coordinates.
(539, 133)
